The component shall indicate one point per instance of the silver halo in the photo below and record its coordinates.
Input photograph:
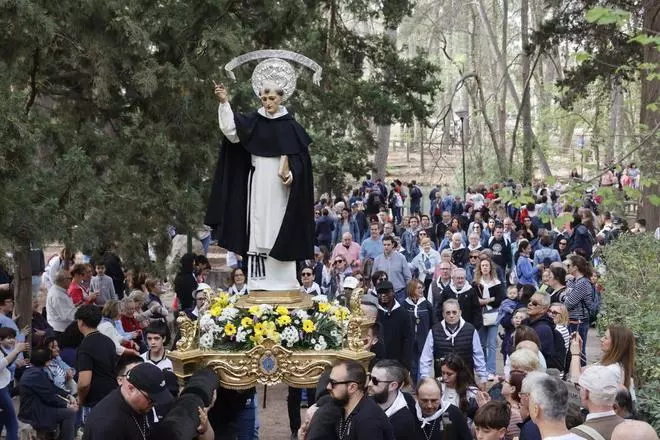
(275, 71)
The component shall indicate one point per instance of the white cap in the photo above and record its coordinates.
(350, 283)
(202, 286)
(601, 381)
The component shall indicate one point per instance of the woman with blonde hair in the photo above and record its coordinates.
(425, 262)
(491, 293)
(559, 314)
(107, 327)
(421, 314)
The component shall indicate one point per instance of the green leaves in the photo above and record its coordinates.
(604, 16)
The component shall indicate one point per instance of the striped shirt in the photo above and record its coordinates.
(578, 299)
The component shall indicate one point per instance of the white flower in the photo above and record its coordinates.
(228, 313)
(206, 341)
(334, 334)
(301, 314)
(290, 335)
(265, 308)
(206, 322)
(241, 335)
(320, 298)
(313, 341)
(317, 347)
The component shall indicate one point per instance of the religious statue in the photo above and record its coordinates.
(262, 200)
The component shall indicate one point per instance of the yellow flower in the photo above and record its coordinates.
(281, 310)
(308, 326)
(341, 313)
(230, 329)
(223, 299)
(257, 338)
(269, 326)
(255, 311)
(284, 320)
(246, 322)
(259, 328)
(324, 307)
(216, 309)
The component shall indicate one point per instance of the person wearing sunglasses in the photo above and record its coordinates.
(386, 379)
(552, 346)
(361, 418)
(308, 285)
(453, 335)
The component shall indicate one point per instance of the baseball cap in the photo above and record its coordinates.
(202, 286)
(350, 283)
(149, 379)
(600, 380)
(384, 285)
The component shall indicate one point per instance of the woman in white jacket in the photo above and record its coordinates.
(425, 262)
(107, 327)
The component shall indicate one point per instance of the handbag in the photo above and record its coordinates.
(489, 316)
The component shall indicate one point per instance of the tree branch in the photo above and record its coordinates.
(33, 81)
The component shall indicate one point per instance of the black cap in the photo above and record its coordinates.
(384, 285)
(149, 379)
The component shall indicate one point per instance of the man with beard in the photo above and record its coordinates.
(397, 331)
(453, 335)
(361, 418)
(123, 414)
(385, 382)
(467, 297)
(437, 419)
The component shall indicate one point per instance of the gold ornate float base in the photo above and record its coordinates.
(266, 364)
(291, 299)
(270, 363)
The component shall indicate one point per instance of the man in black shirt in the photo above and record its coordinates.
(501, 248)
(96, 360)
(397, 331)
(361, 418)
(385, 382)
(123, 414)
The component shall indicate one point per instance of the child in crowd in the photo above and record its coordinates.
(7, 346)
(10, 350)
(59, 372)
(492, 420)
(504, 317)
(156, 335)
(103, 286)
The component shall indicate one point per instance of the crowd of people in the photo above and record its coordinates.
(448, 291)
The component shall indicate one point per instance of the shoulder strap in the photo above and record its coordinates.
(591, 432)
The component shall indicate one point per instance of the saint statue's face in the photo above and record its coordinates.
(271, 100)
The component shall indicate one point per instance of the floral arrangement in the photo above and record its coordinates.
(226, 327)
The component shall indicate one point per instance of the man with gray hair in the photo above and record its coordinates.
(553, 349)
(466, 295)
(547, 406)
(60, 309)
(598, 387)
(384, 386)
(452, 335)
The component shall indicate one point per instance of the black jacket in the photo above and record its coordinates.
(39, 396)
(398, 337)
(404, 424)
(456, 429)
(185, 282)
(367, 422)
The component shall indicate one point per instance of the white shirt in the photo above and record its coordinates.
(108, 328)
(569, 436)
(60, 311)
(164, 364)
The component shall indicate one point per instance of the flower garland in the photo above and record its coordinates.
(224, 326)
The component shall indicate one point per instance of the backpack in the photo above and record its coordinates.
(415, 192)
(594, 310)
(558, 358)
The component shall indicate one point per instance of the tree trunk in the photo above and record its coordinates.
(502, 104)
(528, 170)
(615, 118)
(649, 159)
(23, 285)
(422, 164)
(380, 158)
(545, 168)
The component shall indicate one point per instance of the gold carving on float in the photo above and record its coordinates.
(269, 363)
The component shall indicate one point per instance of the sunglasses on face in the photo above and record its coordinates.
(554, 312)
(307, 274)
(474, 257)
(534, 303)
(333, 383)
(378, 381)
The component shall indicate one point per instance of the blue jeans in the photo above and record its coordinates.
(8, 418)
(248, 420)
(488, 338)
(583, 330)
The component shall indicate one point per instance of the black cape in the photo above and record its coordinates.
(227, 206)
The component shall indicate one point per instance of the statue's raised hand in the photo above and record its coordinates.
(220, 92)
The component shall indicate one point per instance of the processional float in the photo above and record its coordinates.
(271, 336)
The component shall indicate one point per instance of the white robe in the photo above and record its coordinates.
(268, 201)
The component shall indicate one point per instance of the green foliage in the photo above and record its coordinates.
(107, 118)
(630, 298)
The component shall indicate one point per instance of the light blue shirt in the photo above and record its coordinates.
(371, 248)
(396, 267)
(6, 321)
